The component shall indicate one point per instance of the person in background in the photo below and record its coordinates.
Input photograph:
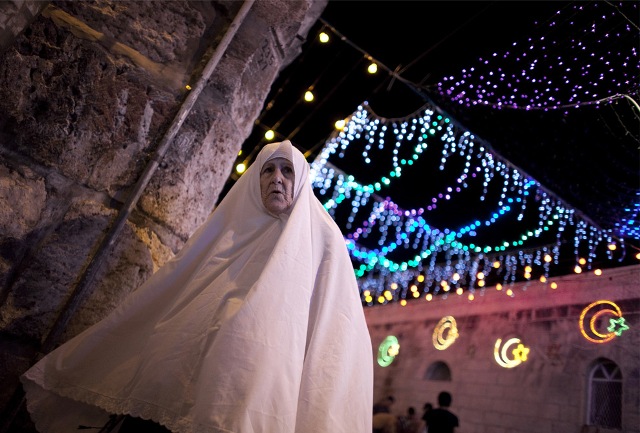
(385, 422)
(256, 325)
(384, 405)
(410, 423)
(425, 410)
(440, 419)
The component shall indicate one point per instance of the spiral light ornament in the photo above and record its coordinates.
(445, 333)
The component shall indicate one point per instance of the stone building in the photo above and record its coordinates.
(119, 125)
(560, 382)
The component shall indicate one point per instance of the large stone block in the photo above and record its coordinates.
(43, 285)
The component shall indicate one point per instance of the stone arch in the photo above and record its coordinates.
(604, 394)
(438, 370)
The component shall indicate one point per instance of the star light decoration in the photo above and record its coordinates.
(590, 319)
(399, 253)
(518, 355)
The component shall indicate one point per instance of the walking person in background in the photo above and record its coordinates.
(440, 419)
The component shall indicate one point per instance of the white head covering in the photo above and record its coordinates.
(256, 326)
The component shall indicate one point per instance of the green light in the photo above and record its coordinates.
(388, 350)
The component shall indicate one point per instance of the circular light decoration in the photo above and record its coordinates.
(445, 333)
(520, 353)
(615, 326)
(388, 351)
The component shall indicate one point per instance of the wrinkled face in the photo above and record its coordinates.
(276, 185)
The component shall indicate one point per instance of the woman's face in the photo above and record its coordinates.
(276, 185)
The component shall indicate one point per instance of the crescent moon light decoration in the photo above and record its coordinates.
(388, 351)
(445, 333)
(520, 353)
(616, 323)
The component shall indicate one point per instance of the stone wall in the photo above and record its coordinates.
(545, 394)
(90, 93)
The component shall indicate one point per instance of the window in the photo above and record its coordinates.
(604, 401)
(438, 371)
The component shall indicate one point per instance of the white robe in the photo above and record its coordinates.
(256, 326)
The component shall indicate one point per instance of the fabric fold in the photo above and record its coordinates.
(255, 326)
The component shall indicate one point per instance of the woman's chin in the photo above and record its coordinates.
(277, 206)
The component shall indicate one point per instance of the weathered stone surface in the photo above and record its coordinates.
(200, 159)
(15, 16)
(17, 220)
(88, 91)
(78, 108)
(184, 190)
(162, 31)
(43, 284)
(16, 189)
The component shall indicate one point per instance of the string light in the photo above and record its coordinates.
(241, 168)
(629, 225)
(578, 64)
(308, 96)
(465, 263)
(408, 246)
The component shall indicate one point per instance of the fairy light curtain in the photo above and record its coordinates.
(448, 242)
(586, 55)
(436, 211)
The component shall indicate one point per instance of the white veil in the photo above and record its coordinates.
(256, 326)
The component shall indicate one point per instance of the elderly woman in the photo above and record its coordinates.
(255, 326)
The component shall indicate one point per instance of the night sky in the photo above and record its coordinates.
(588, 157)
